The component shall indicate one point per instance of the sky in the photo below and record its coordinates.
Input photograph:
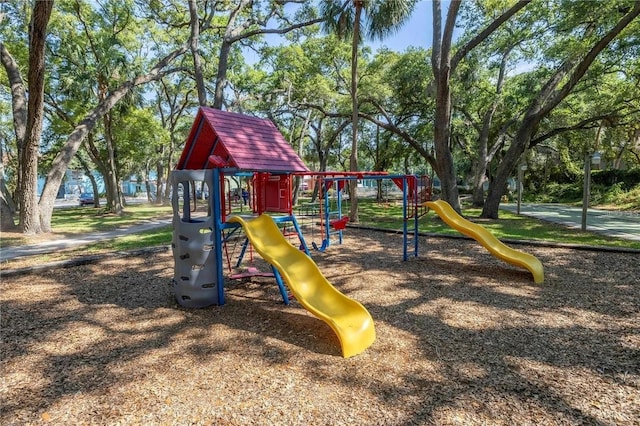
(416, 32)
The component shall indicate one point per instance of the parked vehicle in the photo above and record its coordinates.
(86, 198)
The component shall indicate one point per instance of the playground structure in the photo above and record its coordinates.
(224, 145)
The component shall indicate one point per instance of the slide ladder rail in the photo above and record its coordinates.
(351, 321)
(488, 240)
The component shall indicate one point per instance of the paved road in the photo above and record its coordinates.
(625, 225)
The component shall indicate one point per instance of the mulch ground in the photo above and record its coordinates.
(462, 338)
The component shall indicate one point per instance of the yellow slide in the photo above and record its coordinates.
(486, 238)
(348, 319)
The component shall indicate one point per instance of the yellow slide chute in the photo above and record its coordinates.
(488, 240)
(351, 322)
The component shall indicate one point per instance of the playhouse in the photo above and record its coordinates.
(244, 145)
(222, 144)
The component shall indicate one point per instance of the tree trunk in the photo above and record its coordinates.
(169, 121)
(18, 95)
(147, 185)
(94, 188)
(197, 63)
(498, 185)
(107, 168)
(353, 158)
(378, 166)
(303, 132)
(441, 64)
(221, 77)
(444, 158)
(112, 192)
(161, 181)
(7, 207)
(29, 218)
(322, 167)
(167, 167)
(111, 179)
(6, 216)
(92, 178)
(167, 187)
(98, 161)
(18, 105)
(482, 161)
(632, 146)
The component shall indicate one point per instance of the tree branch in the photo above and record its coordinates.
(275, 30)
(586, 62)
(18, 94)
(466, 48)
(583, 124)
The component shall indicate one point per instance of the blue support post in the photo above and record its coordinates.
(283, 289)
(242, 252)
(300, 236)
(327, 228)
(339, 203)
(216, 212)
(415, 220)
(404, 218)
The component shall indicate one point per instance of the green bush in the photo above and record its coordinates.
(627, 178)
(560, 192)
(616, 194)
(631, 199)
(618, 187)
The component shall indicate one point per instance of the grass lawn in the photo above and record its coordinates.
(69, 221)
(80, 220)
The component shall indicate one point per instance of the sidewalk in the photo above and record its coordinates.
(624, 225)
(7, 253)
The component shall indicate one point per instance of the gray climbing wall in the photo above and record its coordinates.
(195, 270)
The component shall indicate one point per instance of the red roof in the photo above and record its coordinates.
(238, 141)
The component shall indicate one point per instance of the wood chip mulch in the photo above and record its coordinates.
(462, 339)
